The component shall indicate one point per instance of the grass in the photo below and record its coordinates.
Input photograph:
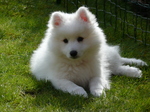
(22, 26)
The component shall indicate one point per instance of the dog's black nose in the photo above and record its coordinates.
(73, 54)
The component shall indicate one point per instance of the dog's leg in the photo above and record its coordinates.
(128, 71)
(96, 87)
(138, 62)
(68, 86)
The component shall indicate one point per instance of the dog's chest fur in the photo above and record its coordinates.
(79, 73)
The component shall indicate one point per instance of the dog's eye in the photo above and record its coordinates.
(80, 39)
(65, 40)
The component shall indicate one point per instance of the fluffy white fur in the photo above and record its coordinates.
(74, 55)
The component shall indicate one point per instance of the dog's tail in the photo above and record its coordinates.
(138, 62)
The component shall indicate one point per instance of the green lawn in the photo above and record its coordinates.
(22, 26)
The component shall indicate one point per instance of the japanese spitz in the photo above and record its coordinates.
(74, 55)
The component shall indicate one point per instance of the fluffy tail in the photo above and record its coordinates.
(138, 62)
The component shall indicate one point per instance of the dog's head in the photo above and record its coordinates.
(74, 35)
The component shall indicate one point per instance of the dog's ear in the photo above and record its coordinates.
(56, 19)
(82, 13)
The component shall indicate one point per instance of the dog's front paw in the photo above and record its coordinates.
(79, 91)
(96, 92)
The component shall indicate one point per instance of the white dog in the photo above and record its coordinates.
(74, 55)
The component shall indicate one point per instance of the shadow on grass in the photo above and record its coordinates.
(47, 96)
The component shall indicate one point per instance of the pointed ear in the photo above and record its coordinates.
(83, 14)
(56, 19)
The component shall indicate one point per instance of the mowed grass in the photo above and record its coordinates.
(22, 26)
